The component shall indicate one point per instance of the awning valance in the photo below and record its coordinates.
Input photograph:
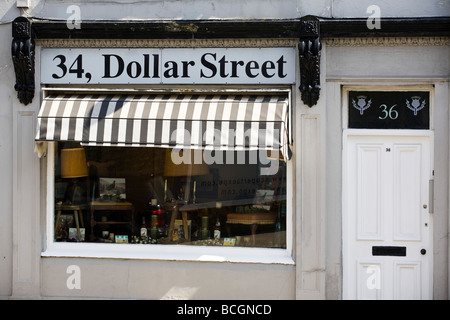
(226, 122)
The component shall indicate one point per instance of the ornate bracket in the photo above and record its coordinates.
(309, 55)
(22, 50)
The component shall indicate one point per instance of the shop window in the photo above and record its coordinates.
(155, 170)
(164, 196)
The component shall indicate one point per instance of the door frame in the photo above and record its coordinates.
(345, 220)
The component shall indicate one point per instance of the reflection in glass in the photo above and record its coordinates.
(178, 196)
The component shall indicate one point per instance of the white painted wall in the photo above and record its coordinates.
(420, 61)
(7, 80)
(128, 279)
(229, 9)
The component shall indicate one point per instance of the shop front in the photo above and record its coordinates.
(172, 164)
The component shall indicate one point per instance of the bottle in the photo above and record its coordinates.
(205, 231)
(158, 210)
(217, 230)
(152, 205)
(143, 230)
(154, 230)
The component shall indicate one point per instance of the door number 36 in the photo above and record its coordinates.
(387, 112)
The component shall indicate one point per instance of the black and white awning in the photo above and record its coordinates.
(226, 122)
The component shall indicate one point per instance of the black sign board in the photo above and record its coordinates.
(389, 109)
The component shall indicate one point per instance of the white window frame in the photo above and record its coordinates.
(167, 252)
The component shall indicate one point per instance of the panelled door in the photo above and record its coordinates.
(387, 251)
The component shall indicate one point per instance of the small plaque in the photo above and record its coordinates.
(389, 109)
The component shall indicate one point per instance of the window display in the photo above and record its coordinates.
(163, 196)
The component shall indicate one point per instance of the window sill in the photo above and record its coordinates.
(168, 253)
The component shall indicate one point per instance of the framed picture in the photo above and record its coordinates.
(263, 199)
(264, 195)
(178, 230)
(121, 239)
(112, 188)
(62, 228)
(73, 234)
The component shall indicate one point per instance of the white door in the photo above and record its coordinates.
(387, 251)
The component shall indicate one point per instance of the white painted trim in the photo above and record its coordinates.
(386, 132)
(25, 220)
(50, 195)
(290, 194)
(168, 253)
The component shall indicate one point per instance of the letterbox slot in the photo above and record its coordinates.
(389, 251)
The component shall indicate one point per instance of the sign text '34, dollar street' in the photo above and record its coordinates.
(169, 66)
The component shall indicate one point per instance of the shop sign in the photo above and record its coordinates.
(168, 66)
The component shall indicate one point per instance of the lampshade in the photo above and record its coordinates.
(73, 163)
(184, 169)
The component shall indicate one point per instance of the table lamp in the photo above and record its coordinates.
(183, 169)
(73, 166)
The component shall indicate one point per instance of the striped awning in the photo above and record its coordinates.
(227, 122)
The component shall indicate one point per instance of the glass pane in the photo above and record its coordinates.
(164, 196)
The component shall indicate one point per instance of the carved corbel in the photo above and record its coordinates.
(309, 56)
(22, 50)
